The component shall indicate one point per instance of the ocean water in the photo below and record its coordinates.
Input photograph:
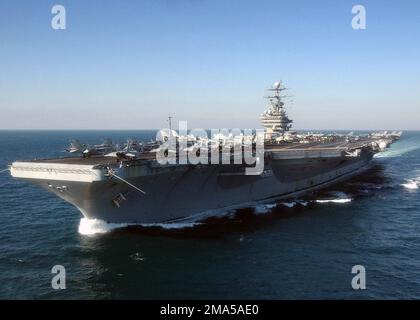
(302, 248)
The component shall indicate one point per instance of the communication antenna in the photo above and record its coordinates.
(170, 123)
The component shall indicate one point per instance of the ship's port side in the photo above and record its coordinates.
(175, 192)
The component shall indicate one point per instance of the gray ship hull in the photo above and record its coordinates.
(204, 190)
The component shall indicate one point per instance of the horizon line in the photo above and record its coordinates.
(155, 129)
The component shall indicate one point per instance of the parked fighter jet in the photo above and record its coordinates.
(86, 151)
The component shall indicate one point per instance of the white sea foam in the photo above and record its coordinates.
(337, 197)
(289, 204)
(334, 201)
(395, 153)
(97, 226)
(411, 184)
(89, 227)
(264, 208)
(339, 200)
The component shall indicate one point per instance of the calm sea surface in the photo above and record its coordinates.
(301, 249)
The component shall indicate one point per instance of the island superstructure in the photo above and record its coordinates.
(129, 185)
(275, 119)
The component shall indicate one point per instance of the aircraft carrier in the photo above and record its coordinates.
(128, 184)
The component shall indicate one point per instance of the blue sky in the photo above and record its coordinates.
(128, 64)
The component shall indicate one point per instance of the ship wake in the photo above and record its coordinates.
(340, 200)
(90, 227)
(396, 153)
(412, 184)
(354, 189)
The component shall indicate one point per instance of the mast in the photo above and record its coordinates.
(170, 123)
